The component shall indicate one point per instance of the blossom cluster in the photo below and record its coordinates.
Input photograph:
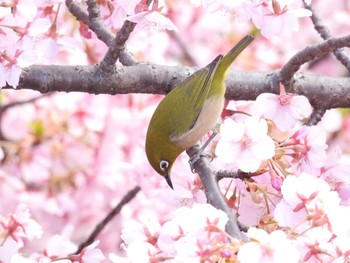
(68, 159)
(36, 32)
(297, 193)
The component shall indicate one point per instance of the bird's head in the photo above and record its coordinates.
(161, 156)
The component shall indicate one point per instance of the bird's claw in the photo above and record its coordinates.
(194, 158)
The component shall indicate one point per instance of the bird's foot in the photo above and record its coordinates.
(194, 158)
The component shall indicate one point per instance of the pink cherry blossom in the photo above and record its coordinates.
(284, 109)
(152, 20)
(59, 246)
(24, 8)
(142, 252)
(148, 231)
(89, 254)
(336, 174)
(245, 143)
(8, 249)
(185, 237)
(264, 247)
(276, 17)
(71, 157)
(310, 149)
(307, 202)
(20, 225)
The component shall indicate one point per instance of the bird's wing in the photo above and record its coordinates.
(194, 92)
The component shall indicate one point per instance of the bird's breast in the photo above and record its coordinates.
(206, 120)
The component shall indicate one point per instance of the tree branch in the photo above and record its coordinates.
(117, 47)
(5, 107)
(316, 116)
(233, 174)
(310, 53)
(326, 34)
(185, 50)
(322, 92)
(116, 210)
(92, 20)
(213, 192)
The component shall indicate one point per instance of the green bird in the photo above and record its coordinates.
(189, 111)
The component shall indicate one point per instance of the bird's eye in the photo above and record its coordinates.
(163, 165)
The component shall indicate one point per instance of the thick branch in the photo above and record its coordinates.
(213, 192)
(322, 92)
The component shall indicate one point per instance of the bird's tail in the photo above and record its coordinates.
(233, 54)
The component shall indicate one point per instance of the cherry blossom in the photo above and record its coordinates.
(152, 20)
(336, 173)
(245, 143)
(183, 237)
(272, 17)
(20, 225)
(89, 254)
(68, 159)
(276, 17)
(284, 109)
(8, 249)
(58, 246)
(264, 247)
(310, 148)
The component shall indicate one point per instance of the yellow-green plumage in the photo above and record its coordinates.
(189, 111)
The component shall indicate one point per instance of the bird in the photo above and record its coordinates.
(189, 111)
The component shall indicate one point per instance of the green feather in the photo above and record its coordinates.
(178, 114)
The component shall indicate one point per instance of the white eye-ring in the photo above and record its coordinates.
(163, 165)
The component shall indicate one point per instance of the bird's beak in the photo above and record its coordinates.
(168, 179)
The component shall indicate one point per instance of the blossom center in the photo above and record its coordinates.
(284, 99)
(245, 142)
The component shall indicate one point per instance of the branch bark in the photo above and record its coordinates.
(310, 53)
(325, 33)
(146, 78)
(213, 192)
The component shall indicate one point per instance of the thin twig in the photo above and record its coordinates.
(92, 20)
(213, 192)
(116, 47)
(233, 174)
(187, 54)
(116, 210)
(326, 34)
(116, 44)
(9, 105)
(310, 53)
(316, 116)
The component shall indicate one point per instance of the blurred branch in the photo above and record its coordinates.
(115, 211)
(310, 53)
(9, 105)
(5, 107)
(186, 52)
(326, 34)
(213, 192)
(92, 20)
